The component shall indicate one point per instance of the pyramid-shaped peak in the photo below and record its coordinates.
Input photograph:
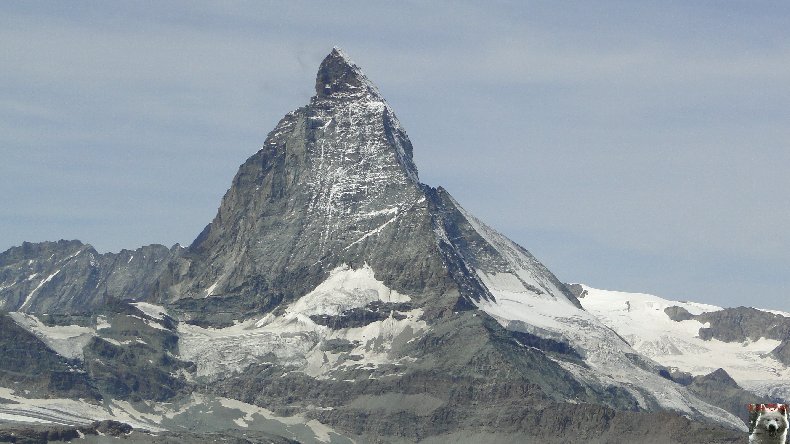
(339, 77)
(337, 52)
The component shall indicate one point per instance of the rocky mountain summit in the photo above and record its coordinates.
(333, 297)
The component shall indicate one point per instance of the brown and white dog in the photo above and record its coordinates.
(768, 423)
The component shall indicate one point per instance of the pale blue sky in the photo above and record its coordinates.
(630, 145)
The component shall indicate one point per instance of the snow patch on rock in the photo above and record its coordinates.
(151, 310)
(344, 289)
(66, 340)
(43, 282)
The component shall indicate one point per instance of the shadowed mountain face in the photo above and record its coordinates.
(332, 284)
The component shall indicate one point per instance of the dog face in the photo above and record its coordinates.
(769, 419)
(774, 422)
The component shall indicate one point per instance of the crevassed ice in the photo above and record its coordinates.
(294, 340)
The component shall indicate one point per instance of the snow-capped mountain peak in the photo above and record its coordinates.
(332, 283)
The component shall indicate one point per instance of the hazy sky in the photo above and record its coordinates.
(630, 145)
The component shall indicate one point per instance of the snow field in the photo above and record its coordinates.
(293, 339)
(640, 319)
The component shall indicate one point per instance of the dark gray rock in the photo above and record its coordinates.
(679, 376)
(577, 290)
(735, 325)
(360, 317)
(678, 314)
(739, 325)
(719, 389)
(743, 323)
(222, 311)
(28, 364)
(101, 432)
(134, 360)
(782, 351)
(333, 184)
(583, 423)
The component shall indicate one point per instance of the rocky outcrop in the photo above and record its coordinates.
(720, 389)
(563, 423)
(782, 352)
(100, 432)
(333, 184)
(678, 314)
(134, 358)
(469, 371)
(45, 434)
(28, 364)
(741, 324)
(577, 290)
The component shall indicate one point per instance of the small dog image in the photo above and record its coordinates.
(768, 423)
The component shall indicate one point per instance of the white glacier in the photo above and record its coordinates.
(66, 340)
(294, 339)
(640, 319)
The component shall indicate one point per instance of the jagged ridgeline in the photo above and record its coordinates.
(333, 297)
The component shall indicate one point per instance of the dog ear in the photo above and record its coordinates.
(753, 415)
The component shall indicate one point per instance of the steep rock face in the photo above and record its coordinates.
(529, 302)
(720, 389)
(333, 192)
(27, 362)
(133, 355)
(782, 352)
(743, 323)
(71, 277)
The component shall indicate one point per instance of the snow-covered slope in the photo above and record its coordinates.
(642, 321)
(525, 297)
(66, 340)
(296, 340)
